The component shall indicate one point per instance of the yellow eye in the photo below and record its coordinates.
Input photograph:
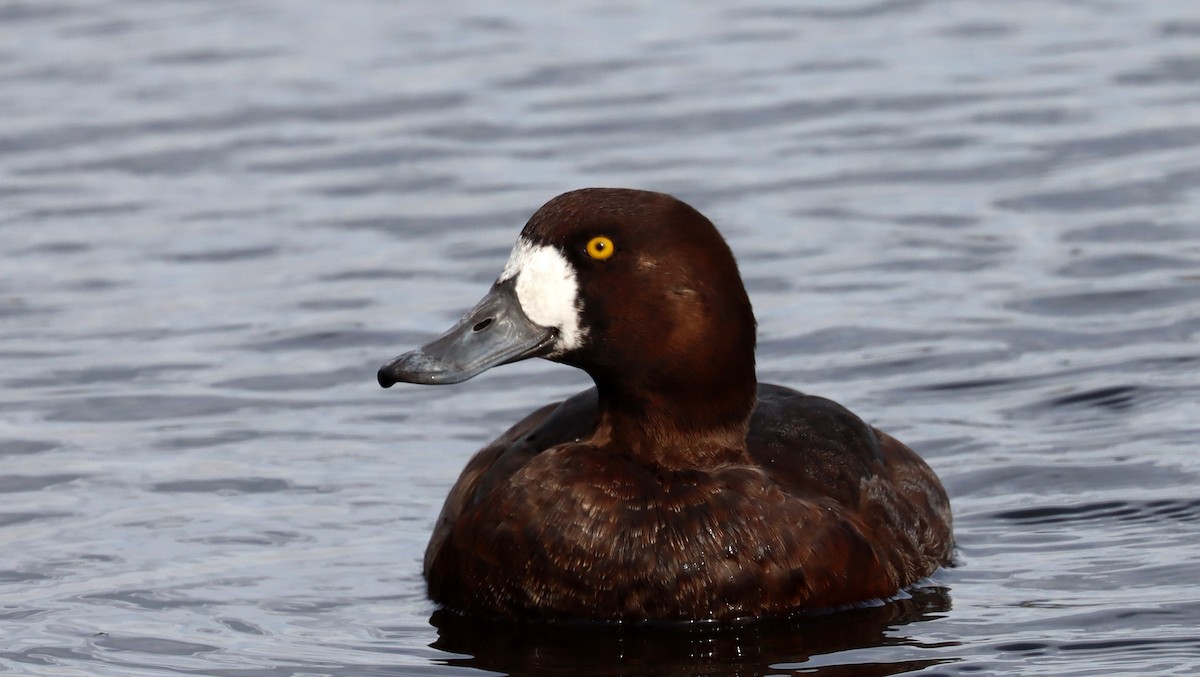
(600, 248)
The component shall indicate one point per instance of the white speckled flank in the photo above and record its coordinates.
(547, 290)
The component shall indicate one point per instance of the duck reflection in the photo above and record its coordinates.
(762, 647)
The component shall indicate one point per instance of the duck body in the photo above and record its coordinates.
(824, 512)
(678, 488)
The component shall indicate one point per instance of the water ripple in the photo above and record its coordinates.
(973, 224)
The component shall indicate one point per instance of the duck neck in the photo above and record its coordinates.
(690, 425)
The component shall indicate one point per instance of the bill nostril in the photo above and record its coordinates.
(481, 325)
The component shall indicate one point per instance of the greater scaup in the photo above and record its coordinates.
(678, 488)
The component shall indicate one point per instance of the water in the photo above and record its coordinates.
(974, 223)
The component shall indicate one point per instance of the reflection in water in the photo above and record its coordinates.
(783, 646)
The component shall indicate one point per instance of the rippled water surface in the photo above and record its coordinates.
(975, 223)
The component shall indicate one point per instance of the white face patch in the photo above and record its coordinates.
(547, 290)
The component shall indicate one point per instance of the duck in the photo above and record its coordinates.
(678, 487)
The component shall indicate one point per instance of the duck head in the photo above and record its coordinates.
(637, 289)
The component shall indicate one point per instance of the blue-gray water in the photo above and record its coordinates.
(975, 223)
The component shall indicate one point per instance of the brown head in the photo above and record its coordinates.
(637, 289)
